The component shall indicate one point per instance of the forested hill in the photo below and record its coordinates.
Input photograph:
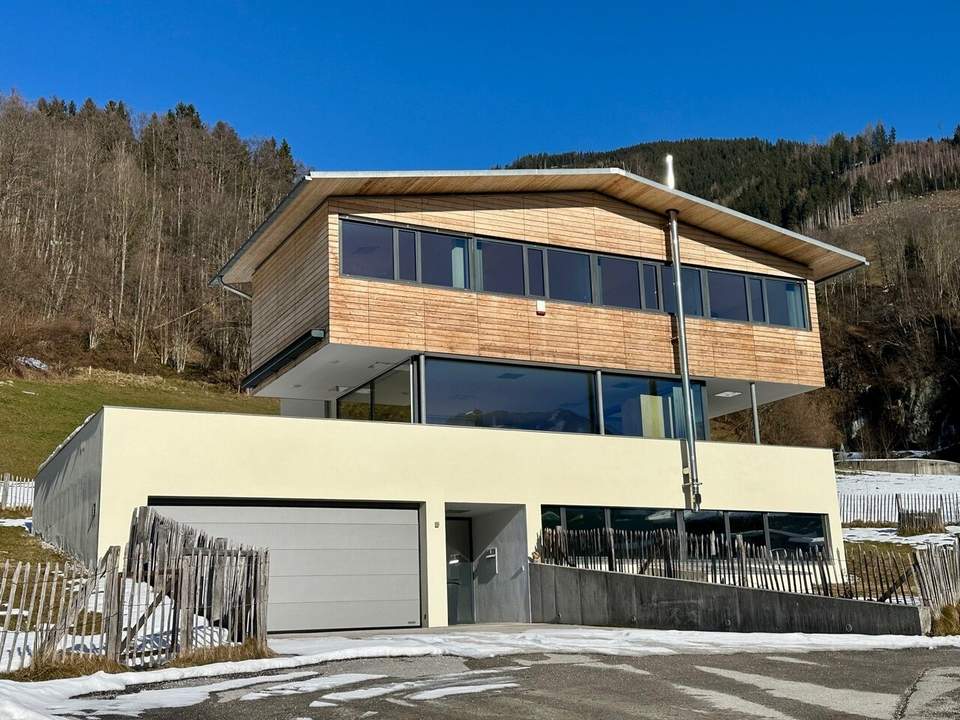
(111, 226)
(805, 187)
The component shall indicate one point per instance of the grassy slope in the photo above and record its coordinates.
(37, 414)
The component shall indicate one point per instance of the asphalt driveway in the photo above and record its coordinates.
(915, 684)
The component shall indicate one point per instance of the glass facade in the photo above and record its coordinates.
(620, 282)
(386, 398)
(728, 296)
(502, 266)
(648, 407)
(775, 531)
(569, 276)
(785, 303)
(795, 531)
(692, 290)
(443, 260)
(367, 250)
(495, 395)
(385, 252)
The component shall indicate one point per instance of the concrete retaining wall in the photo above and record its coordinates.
(570, 596)
(904, 466)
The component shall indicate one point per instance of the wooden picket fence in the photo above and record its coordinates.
(931, 577)
(15, 492)
(175, 591)
(887, 508)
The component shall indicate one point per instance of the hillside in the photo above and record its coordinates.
(37, 414)
(891, 334)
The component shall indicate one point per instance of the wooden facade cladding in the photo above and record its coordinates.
(291, 290)
(424, 319)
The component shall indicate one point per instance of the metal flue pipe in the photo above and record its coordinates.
(693, 479)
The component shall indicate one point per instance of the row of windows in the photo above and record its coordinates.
(431, 258)
(484, 394)
(773, 530)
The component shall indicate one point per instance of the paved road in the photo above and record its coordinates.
(910, 684)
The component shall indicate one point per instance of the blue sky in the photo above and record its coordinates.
(469, 85)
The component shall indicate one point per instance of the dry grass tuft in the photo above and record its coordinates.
(74, 665)
(948, 623)
(16, 513)
(249, 650)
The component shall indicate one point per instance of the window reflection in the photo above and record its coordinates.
(509, 396)
(648, 407)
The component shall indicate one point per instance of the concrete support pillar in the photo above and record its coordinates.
(433, 563)
(756, 414)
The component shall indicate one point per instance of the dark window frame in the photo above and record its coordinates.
(474, 276)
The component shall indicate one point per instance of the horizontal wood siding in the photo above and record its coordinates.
(290, 290)
(383, 314)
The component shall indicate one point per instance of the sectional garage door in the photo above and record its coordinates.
(331, 567)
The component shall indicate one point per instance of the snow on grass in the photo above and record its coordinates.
(880, 483)
(889, 535)
(57, 698)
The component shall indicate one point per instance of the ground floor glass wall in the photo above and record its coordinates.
(777, 531)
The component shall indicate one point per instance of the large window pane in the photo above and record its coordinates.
(549, 516)
(443, 260)
(585, 518)
(569, 276)
(355, 405)
(643, 519)
(748, 526)
(391, 395)
(535, 272)
(620, 282)
(502, 266)
(758, 314)
(785, 302)
(796, 531)
(366, 250)
(692, 292)
(509, 396)
(407, 255)
(651, 294)
(728, 296)
(646, 407)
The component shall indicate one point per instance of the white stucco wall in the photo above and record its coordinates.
(175, 453)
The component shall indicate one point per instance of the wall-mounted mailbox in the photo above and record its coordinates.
(491, 554)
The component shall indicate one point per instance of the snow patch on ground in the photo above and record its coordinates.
(889, 535)
(459, 690)
(61, 698)
(25, 523)
(880, 483)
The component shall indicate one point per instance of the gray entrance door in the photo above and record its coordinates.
(330, 567)
(459, 571)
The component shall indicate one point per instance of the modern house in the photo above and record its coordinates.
(462, 359)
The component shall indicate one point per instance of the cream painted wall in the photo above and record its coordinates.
(164, 452)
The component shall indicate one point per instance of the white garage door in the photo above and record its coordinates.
(330, 567)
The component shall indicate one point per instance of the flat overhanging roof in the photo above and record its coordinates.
(823, 259)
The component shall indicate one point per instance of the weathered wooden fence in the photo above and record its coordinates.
(887, 508)
(930, 577)
(15, 492)
(175, 591)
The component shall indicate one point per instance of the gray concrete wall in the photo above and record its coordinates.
(66, 510)
(501, 589)
(571, 596)
(905, 466)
